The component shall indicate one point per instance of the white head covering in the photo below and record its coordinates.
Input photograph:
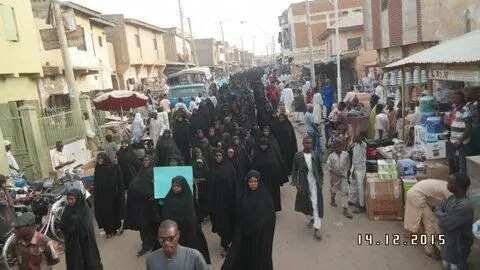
(138, 118)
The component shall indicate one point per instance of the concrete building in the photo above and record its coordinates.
(140, 57)
(88, 48)
(397, 29)
(293, 36)
(208, 52)
(20, 65)
(353, 52)
(176, 59)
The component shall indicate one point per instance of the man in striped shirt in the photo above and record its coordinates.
(460, 134)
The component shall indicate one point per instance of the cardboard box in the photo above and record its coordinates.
(384, 199)
(437, 150)
(436, 169)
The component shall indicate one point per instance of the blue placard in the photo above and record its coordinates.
(163, 178)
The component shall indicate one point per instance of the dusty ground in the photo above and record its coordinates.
(295, 247)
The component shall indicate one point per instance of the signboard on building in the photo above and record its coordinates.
(462, 75)
(75, 38)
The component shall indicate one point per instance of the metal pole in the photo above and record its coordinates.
(337, 42)
(192, 42)
(180, 9)
(225, 50)
(67, 62)
(242, 60)
(313, 80)
(403, 103)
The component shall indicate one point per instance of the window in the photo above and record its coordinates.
(384, 5)
(354, 43)
(155, 44)
(137, 40)
(100, 41)
(9, 21)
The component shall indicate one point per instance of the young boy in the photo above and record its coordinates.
(358, 171)
(455, 219)
(338, 165)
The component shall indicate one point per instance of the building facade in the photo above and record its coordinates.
(293, 37)
(140, 57)
(207, 51)
(176, 58)
(352, 48)
(88, 48)
(397, 29)
(20, 65)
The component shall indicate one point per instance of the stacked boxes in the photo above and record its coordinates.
(384, 198)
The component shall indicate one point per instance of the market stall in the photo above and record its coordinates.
(430, 77)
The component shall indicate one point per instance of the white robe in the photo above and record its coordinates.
(319, 114)
(287, 99)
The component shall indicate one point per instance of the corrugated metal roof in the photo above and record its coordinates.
(462, 49)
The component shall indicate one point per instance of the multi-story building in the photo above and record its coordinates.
(176, 58)
(293, 22)
(140, 57)
(20, 65)
(397, 29)
(207, 51)
(352, 50)
(88, 49)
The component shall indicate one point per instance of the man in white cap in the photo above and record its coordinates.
(12, 162)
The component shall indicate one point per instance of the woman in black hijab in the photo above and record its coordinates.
(266, 162)
(179, 207)
(142, 210)
(166, 148)
(283, 130)
(129, 165)
(222, 198)
(182, 135)
(252, 244)
(81, 251)
(108, 195)
(274, 144)
(240, 165)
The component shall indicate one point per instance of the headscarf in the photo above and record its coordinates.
(256, 206)
(180, 207)
(76, 216)
(143, 182)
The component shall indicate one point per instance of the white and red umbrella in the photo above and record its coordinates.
(119, 100)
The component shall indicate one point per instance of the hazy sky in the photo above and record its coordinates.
(261, 17)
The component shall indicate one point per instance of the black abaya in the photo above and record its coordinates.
(252, 244)
(180, 208)
(128, 165)
(166, 148)
(285, 135)
(81, 251)
(181, 135)
(270, 167)
(108, 196)
(222, 199)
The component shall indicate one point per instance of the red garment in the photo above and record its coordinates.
(310, 95)
(273, 94)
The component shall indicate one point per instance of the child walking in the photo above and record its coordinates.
(338, 165)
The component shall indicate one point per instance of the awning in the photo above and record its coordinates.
(460, 50)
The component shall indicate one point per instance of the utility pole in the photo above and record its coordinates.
(242, 60)
(192, 42)
(180, 9)
(337, 42)
(225, 50)
(313, 80)
(67, 62)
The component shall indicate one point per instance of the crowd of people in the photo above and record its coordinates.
(242, 146)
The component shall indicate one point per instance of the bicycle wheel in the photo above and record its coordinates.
(8, 253)
(54, 229)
